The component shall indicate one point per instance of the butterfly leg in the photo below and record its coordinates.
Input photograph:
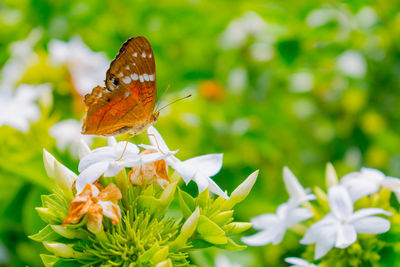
(158, 147)
(126, 144)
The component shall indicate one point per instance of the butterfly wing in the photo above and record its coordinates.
(127, 102)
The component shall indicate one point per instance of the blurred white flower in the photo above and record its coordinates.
(67, 134)
(197, 169)
(299, 262)
(352, 63)
(301, 82)
(274, 226)
(19, 109)
(366, 17)
(368, 181)
(237, 80)
(240, 29)
(110, 160)
(22, 56)
(87, 68)
(223, 261)
(320, 17)
(339, 228)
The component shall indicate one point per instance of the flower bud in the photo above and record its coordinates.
(237, 227)
(59, 249)
(68, 232)
(166, 263)
(83, 149)
(330, 175)
(187, 230)
(241, 192)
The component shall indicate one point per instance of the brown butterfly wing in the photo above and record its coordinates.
(127, 102)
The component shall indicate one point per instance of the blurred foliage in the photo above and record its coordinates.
(312, 82)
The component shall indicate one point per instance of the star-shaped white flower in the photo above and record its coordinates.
(87, 68)
(368, 181)
(107, 161)
(275, 225)
(299, 262)
(340, 227)
(19, 109)
(197, 169)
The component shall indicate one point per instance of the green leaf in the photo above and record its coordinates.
(223, 218)
(148, 204)
(70, 233)
(210, 231)
(49, 260)
(186, 203)
(148, 255)
(200, 244)
(232, 246)
(46, 234)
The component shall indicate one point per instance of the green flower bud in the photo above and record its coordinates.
(241, 192)
(59, 249)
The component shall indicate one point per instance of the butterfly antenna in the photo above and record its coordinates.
(173, 102)
(158, 103)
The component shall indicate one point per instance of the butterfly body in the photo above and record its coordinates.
(126, 103)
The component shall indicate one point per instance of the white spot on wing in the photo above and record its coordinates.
(150, 56)
(127, 67)
(134, 76)
(126, 79)
(120, 74)
(133, 64)
(127, 93)
(146, 77)
(141, 78)
(151, 77)
(143, 54)
(135, 54)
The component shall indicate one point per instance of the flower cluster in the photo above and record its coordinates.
(339, 224)
(114, 211)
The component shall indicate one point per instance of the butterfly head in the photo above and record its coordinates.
(154, 117)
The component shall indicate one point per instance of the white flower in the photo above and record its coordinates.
(67, 133)
(368, 181)
(340, 227)
(274, 226)
(19, 110)
(239, 30)
(197, 169)
(352, 63)
(87, 68)
(298, 262)
(296, 191)
(107, 161)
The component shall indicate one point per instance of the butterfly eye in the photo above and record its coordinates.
(115, 81)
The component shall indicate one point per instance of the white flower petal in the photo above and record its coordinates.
(279, 235)
(214, 188)
(293, 187)
(298, 262)
(156, 139)
(325, 243)
(368, 212)
(201, 181)
(111, 141)
(83, 149)
(340, 202)
(328, 223)
(372, 225)
(260, 239)
(297, 215)
(346, 235)
(264, 221)
(97, 155)
(209, 164)
(113, 169)
(90, 175)
(359, 188)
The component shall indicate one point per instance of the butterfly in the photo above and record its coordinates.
(126, 103)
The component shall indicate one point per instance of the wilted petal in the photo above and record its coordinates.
(95, 218)
(90, 175)
(111, 192)
(346, 235)
(79, 206)
(340, 202)
(371, 225)
(111, 211)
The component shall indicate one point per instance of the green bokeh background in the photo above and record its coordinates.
(259, 122)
